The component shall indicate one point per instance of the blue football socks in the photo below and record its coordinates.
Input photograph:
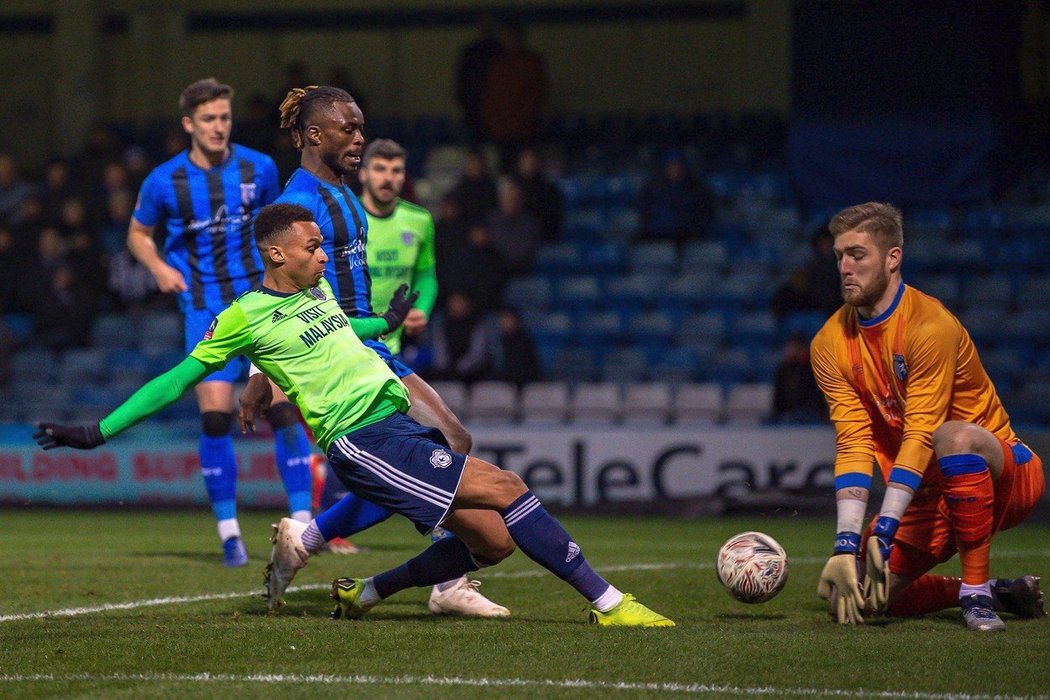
(292, 451)
(349, 516)
(219, 468)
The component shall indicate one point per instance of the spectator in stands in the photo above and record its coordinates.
(113, 229)
(64, 311)
(475, 269)
(464, 339)
(542, 197)
(57, 188)
(476, 189)
(10, 271)
(796, 397)
(515, 359)
(815, 285)
(340, 77)
(137, 164)
(516, 233)
(101, 147)
(674, 204)
(13, 189)
(513, 95)
(259, 125)
(31, 219)
(474, 62)
(450, 236)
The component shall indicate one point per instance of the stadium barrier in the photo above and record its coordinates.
(566, 467)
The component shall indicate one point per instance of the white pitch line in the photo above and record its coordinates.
(691, 688)
(530, 573)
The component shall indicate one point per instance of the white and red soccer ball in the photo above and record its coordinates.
(752, 566)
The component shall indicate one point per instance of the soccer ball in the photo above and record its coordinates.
(752, 566)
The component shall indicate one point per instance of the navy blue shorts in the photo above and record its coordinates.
(197, 322)
(399, 368)
(402, 466)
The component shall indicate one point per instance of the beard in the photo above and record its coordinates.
(869, 294)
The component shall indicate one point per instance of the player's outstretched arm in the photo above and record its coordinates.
(154, 396)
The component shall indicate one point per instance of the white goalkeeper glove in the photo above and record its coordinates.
(838, 581)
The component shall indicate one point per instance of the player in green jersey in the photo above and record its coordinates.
(293, 329)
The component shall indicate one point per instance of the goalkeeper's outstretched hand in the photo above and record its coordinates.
(80, 437)
(839, 585)
(400, 305)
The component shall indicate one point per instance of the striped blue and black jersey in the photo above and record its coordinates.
(207, 214)
(344, 229)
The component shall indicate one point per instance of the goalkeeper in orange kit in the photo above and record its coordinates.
(906, 389)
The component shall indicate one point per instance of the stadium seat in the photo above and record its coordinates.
(728, 366)
(656, 255)
(697, 404)
(652, 327)
(529, 292)
(549, 326)
(20, 325)
(545, 403)
(707, 326)
(599, 328)
(754, 327)
(1034, 290)
(595, 404)
(987, 289)
(81, 365)
(633, 291)
(805, 323)
(603, 257)
(983, 322)
(560, 258)
(966, 254)
(623, 223)
(578, 291)
(574, 364)
(646, 403)
(676, 365)
(625, 365)
(944, 287)
(704, 255)
(113, 331)
(1031, 323)
(36, 365)
(687, 291)
(493, 402)
(454, 395)
(749, 404)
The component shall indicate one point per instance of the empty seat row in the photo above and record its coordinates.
(558, 403)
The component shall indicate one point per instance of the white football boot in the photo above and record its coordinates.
(286, 558)
(464, 599)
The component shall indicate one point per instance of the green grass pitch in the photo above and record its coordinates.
(160, 617)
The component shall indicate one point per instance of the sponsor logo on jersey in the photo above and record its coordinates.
(440, 458)
(900, 368)
(211, 329)
(407, 238)
(247, 193)
(277, 316)
(574, 551)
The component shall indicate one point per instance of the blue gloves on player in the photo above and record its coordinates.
(80, 437)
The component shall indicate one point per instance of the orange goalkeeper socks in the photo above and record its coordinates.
(969, 495)
(927, 594)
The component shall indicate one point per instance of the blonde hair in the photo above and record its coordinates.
(883, 222)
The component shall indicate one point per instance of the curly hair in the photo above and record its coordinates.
(301, 104)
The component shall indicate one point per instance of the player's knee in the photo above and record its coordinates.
(281, 415)
(494, 550)
(216, 423)
(511, 485)
(956, 437)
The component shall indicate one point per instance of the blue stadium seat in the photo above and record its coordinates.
(704, 255)
(578, 292)
(984, 322)
(965, 254)
(20, 325)
(754, 327)
(1035, 291)
(549, 326)
(625, 365)
(623, 223)
(656, 255)
(727, 367)
(634, 290)
(977, 223)
(744, 289)
(652, 327)
(599, 328)
(1032, 323)
(584, 223)
(79, 365)
(706, 326)
(805, 323)
(676, 365)
(574, 364)
(943, 286)
(688, 291)
(560, 258)
(528, 292)
(113, 331)
(603, 257)
(33, 365)
(987, 289)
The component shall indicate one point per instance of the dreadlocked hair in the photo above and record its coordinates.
(300, 104)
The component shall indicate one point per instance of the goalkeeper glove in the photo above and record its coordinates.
(400, 305)
(877, 573)
(80, 437)
(838, 581)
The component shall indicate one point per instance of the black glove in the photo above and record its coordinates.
(80, 437)
(400, 305)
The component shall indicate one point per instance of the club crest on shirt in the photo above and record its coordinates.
(407, 238)
(211, 329)
(900, 368)
(247, 193)
(316, 293)
(440, 458)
